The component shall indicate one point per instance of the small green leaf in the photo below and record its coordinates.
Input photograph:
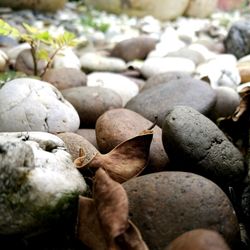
(29, 29)
(7, 30)
(42, 54)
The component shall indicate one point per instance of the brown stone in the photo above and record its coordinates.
(134, 48)
(118, 125)
(74, 142)
(199, 239)
(25, 64)
(244, 70)
(92, 102)
(167, 204)
(88, 134)
(64, 78)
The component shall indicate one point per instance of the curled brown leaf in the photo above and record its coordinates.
(131, 239)
(112, 205)
(88, 228)
(126, 160)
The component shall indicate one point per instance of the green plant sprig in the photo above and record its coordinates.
(44, 46)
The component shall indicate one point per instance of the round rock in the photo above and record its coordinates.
(122, 85)
(237, 41)
(25, 64)
(134, 48)
(75, 142)
(156, 65)
(118, 125)
(94, 62)
(64, 78)
(199, 239)
(39, 184)
(92, 102)
(159, 100)
(195, 144)
(89, 134)
(226, 102)
(164, 78)
(32, 105)
(165, 205)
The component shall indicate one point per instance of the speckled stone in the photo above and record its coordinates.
(165, 205)
(195, 144)
(199, 239)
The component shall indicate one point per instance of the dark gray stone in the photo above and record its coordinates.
(195, 144)
(161, 99)
(237, 41)
(156, 80)
(165, 205)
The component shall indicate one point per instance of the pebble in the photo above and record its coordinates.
(194, 143)
(237, 40)
(122, 85)
(39, 179)
(155, 80)
(67, 59)
(92, 102)
(64, 78)
(159, 100)
(28, 104)
(154, 66)
(199, 239)
(118, 125)
(167, 204)
(89, 134)
(75, 142)
(3, 61)
(95, 62)
(134, 48)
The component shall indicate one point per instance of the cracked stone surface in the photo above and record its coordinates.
(195, 144)
(39, 183)
(33, 105)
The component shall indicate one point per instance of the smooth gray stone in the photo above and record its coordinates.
(161, 99)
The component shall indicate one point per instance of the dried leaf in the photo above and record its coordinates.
(112, 205)
(103, 221)
(88, 228)
(131, 239)
(125, 161)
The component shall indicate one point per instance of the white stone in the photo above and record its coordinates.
(153, 66)
(95, 62)
(122, 85)
(32, 105)
(206, 53)
(221, 70)
(37, 179)
(67, 59)
(3, 60)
